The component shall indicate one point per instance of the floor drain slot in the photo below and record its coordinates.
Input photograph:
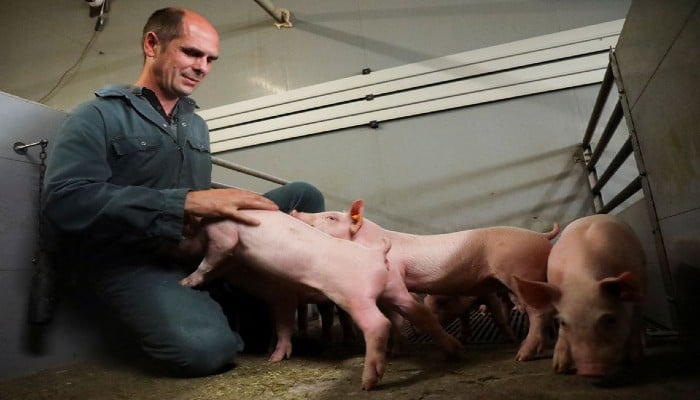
(483, 330)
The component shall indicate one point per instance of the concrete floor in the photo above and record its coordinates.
(487, 371)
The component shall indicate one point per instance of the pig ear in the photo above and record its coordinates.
(625, 287)
(538, 295)
(356, 211)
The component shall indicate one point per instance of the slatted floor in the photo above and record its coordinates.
(483, 330)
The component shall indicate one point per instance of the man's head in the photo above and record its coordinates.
(179, 47)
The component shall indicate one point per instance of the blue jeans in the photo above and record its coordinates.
(185, 329)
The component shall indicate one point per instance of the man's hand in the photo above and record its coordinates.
(226, 203)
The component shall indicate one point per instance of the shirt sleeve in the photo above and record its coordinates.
(79, 199)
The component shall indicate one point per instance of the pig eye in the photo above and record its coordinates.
(332, 218)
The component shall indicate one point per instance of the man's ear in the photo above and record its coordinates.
(356, 211)
(151, 44)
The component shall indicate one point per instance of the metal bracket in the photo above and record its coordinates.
(21, 148)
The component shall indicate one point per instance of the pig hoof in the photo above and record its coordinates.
(525, 356)
(454, 349)
(276, 357)
(186, 282)
(191, 281)
(370, 384)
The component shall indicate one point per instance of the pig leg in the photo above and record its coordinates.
(398, 297)
(362, 308)
(223, 238)
(465, 327)
(635, 345)
(499, 315)
(562, 361)
(303, 319)
(396, 339)
(348, 326)
(375, 329)
(283, 312)
(535, 340)
(325, 310)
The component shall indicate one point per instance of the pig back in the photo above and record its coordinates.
(597, 246)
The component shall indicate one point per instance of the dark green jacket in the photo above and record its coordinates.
(118, 174)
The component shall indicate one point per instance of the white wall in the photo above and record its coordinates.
(331, 39)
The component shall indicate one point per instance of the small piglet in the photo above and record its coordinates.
(596, 282)
(470, 262)
(351, 275)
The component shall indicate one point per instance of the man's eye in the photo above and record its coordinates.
(193, 53)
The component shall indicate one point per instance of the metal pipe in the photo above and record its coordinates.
(626, 193)
(613, 122)
(249, 171)
(603, 94)
(620, 157)
(275, 12)
(219, 185)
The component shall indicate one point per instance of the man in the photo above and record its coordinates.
(127, 170)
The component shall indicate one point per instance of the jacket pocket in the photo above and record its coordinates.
(129, 145)
(199, 145)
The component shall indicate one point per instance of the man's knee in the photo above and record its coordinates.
(311, 199)
(301, 196)
(199, 352)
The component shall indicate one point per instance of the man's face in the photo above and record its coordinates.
(182, 65)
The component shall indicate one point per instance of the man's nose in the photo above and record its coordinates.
(202, 66)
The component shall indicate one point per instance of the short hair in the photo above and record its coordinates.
(166, 23)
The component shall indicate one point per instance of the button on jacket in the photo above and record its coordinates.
(119, 172)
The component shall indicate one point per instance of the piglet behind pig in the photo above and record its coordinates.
(596, 280)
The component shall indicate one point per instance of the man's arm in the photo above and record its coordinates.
(79, 198)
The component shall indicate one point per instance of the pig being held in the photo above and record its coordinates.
(355, 277)
(596, 280)
(281, 296)
(471, 262)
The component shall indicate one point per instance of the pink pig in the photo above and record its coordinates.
(471, 262)
(596, 281)
(282, 296)
(353, 276)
